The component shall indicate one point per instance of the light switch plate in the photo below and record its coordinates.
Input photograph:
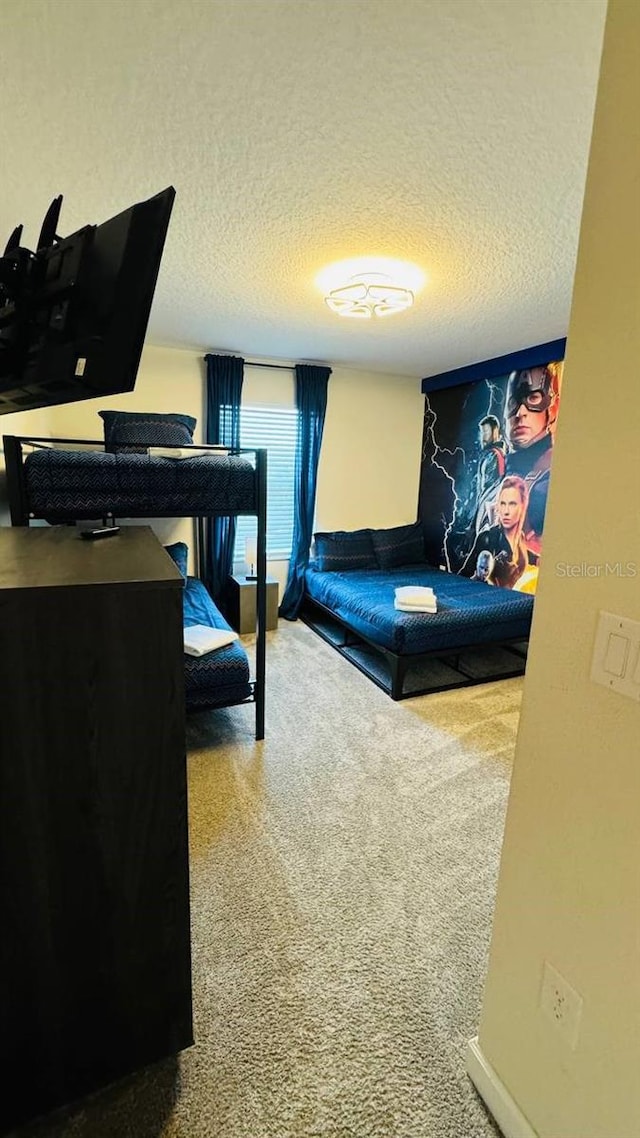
(616, 655)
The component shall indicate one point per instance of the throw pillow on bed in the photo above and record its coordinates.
(344, 550)
(179, 554)
(401, 545)
(134, 431)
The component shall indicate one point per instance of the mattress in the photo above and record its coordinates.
(220, 677)
(63, 485)
(469, 612)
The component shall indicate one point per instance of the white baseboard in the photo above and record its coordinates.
(495, 1095)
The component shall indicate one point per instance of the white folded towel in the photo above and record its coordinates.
(180, 452)
(415, 594)
(200, 639)
(432, 608)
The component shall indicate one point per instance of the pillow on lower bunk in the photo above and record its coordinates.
(344, 550)
(401, 545)
(179, 554)
(134, 431)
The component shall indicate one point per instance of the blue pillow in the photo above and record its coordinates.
(344, 550)
(179, 553)
(401, 545)
(134, 431)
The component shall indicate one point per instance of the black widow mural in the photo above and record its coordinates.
(486, 461)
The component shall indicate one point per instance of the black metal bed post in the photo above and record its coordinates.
(15, 485)
(397, 668)
(261, 607)
(201, 549)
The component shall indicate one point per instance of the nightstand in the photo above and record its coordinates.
(241, 604)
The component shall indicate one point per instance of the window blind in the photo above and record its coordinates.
(274, 428)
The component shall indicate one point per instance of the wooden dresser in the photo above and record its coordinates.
(95, 970)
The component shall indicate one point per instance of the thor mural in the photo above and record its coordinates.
(487, 450)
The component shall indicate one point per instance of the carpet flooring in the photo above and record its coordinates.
(343, 877)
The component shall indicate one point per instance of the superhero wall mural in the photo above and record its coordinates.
(486, 460)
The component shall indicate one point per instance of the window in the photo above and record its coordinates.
(274, 428)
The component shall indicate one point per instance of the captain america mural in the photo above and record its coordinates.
(486, 462)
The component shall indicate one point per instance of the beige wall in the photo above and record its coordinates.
(24, 423)
(569, 889)
(369, 469)
(370, 461)
(168, 380)
(369, 466)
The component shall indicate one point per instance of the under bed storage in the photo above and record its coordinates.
(469, 612)
(478, 634)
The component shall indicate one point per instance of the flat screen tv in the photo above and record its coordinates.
(74, 313)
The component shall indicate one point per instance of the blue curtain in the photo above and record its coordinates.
(224, 394)
(311, 401)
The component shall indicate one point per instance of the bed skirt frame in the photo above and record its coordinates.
(347, 642)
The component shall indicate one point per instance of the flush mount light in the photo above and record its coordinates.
(369, 286)
(369, 294)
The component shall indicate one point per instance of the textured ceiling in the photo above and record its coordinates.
(452, 133)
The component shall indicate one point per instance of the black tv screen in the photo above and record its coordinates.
(74, 314)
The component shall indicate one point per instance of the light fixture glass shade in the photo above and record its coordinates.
(350, 292)
(372, 294)
(250, 554)
(348, 307)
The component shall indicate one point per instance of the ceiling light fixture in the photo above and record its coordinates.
(369, 294)
(364, 287)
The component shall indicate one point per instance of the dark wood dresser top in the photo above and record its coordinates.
(54, 557)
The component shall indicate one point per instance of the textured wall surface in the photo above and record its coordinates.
(569, 888)
(300, 132)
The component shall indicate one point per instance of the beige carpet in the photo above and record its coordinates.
(343, 877)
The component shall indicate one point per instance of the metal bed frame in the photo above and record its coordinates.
(21, 516)
(399, 665)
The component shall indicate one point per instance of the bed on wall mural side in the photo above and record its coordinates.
(486, 459)
(478, 632)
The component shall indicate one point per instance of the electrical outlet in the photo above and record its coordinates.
(561, 1004)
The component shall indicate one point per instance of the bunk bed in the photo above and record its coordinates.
(65, 481)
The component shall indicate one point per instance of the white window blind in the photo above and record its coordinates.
(275, 429)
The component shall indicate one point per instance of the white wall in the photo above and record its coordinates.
(569, 888)
(369, 467)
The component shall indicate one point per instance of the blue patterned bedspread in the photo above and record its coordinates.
(220, 677)
(64, 485)
(469, 612)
